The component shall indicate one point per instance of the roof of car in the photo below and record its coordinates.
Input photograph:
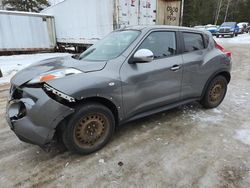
(142, 27)
(150, 27)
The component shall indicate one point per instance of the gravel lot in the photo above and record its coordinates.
(184, 147)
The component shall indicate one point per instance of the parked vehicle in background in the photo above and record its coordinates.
(82, 23)
(248, 29)
(200, 27)
(1, 74)
(228, 29)
(212, 29)
(24, 31)
(243, 27)
(130, 74)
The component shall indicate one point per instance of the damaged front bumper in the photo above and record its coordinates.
(33, 115)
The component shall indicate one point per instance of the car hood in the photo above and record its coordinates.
(47, 65)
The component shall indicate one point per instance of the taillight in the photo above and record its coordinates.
(228, 54)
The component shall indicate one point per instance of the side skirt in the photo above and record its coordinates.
(158, 110)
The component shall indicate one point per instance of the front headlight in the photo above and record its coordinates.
(55, 74)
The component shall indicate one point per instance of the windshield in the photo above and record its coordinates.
(228, 24)
(111, 46)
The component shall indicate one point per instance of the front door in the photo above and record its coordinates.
(151, 85)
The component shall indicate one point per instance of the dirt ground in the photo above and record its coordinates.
(184, 147)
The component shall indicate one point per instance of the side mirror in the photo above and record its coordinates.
(143, 56)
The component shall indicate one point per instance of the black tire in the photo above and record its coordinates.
(222, 36)
(215, 92)
(89, 129)
(1, 75)
(217, 36)
(236, 34)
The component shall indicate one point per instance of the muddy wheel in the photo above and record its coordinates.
(215, 92)
(89, 129)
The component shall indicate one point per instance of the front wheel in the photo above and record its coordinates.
(89, 129)
(215, 92)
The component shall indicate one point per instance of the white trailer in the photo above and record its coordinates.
(82, 22)
(22, 31)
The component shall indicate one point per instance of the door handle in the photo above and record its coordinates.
(175, 67)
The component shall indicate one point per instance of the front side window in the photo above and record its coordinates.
(193, 42)
(162, 44)
(111, 46)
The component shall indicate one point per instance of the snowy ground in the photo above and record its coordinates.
(9, 65)
(240, 39)
(185, 147)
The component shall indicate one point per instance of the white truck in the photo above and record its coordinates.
(22, 31)
(80, 23)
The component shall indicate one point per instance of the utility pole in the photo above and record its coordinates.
(228, 3)
(182, 12)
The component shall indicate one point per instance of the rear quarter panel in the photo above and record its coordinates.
(197, 73)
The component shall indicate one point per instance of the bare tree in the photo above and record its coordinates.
(228, 4)
(218, 11)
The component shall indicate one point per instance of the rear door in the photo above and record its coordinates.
(193, 58)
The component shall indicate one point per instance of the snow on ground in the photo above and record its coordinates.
(243, 135)
(240, 39)
(10, 65)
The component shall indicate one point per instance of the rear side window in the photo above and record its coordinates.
(161, 43)
(193, 42)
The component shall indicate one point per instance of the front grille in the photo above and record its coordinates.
(224, 30)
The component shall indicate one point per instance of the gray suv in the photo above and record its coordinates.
(131, 73)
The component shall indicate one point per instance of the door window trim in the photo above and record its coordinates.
(177, 39)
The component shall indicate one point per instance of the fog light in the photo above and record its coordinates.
(16, 110)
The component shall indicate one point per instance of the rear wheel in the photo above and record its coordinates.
(89, 129)
(215, 92)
